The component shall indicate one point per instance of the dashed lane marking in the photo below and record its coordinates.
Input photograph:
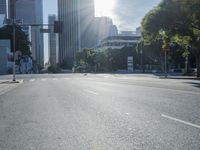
(32, 80)
(181, 121)
(91, 92)
(43, 80)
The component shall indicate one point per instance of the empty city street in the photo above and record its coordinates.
(100, 112)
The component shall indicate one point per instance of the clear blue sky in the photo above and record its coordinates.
(126, 14)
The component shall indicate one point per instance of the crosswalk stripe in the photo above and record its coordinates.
(44, 79)
(32, 80)
(91, 92)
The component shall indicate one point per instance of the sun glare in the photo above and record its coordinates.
(104, 7)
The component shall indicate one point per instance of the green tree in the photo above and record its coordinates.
(67, 63)
(102, 62)
(179, 20)
(22, 42)
(86, 57)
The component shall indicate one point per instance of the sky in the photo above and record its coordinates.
(126, 14)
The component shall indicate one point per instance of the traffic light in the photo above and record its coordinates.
(58, 26)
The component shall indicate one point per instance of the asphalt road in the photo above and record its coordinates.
(100, 112)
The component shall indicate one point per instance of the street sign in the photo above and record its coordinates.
(45, 31)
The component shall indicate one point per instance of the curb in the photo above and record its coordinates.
(180, 78)
(11, 82)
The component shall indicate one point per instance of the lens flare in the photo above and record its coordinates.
(104, 7)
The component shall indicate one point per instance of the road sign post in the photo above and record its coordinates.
(166, 50)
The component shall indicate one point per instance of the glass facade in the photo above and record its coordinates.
(3, 7)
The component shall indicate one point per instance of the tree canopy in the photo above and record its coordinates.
(180, 21)
(22, 42)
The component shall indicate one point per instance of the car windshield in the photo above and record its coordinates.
(99, 74)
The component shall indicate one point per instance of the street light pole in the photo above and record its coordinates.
(13, 17)
(14, 71)
(165, 63)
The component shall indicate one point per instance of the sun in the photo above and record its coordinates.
(104, 7)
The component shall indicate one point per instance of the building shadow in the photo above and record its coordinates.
(194, 84)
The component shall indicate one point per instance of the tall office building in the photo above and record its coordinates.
(103, 27)
(77, 17)
(69, 39)
(87, 15)
(31, 12)
(53, 42)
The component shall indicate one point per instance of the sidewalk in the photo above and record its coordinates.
(6, 86)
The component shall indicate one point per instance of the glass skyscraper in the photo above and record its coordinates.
(77, 16)
(3, 7)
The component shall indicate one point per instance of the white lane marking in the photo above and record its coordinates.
(21, 81)
(44, 79)
(91, 92)
(181, 121)
(55, 79)
(106, 76)
(32, 80)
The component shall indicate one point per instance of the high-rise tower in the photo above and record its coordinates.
(77, 17)
(69, 39)
(87, 15)
(53, 42)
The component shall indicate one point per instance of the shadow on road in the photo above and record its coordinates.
(9, 82)
(195, 84)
